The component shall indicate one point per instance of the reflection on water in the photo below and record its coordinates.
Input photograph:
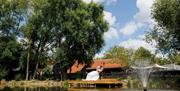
(151, 90)
(62, 89)
(34, 89)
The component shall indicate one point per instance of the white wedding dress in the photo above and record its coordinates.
(92, 76)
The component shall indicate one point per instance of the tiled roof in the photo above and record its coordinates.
(106, 63)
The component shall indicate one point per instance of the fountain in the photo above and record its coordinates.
(143, 74)
(144, 69)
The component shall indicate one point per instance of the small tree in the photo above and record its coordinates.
(142, 54)
(119, 55)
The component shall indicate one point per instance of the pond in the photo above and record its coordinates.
(63, 89)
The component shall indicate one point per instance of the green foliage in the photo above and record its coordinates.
(175, 58)
(66, 84)
(18, 77)
(11, 14)
(142, 53)
(6, 53)
(61, 58)
(10, 54)
(166, 32)
(70, 30)
(3, 72)
(160, 60)
(119, 55)
(11, 17)
(47, 71)
(81, 25)
(127, 56)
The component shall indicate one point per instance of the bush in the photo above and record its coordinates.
(18, 77)
(66, 84)
(3, 73)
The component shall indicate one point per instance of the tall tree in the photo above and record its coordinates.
(38, 34)
(73, 29)
(120, 55)
(11, 17)
(80, 25)
(166, 33)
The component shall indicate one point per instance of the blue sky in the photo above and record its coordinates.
(129, 20)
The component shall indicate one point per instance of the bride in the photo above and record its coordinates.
(94, 75)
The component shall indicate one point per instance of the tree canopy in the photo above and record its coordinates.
(119, 55)
(142, 53)
(78, 30)
(166, 33)
(127, 56)
(11, 15)
(64, 31)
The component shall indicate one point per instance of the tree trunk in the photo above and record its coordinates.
(35, 71)
(28, 60)
(64, 74)
(38, 53)
(61, 75)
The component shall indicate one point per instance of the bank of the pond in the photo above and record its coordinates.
(32, 83)
(110, 83)
(103, 83)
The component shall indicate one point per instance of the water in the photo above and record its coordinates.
(62, 89)
(143, 71)
(143, 74)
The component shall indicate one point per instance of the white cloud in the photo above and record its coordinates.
(101, 1)
(88, 1)
(99, 55)
(144, 14)
(136, 43)
(112, 33)
(130, 28)
(141, 18)
(108, 2)
(109, 18)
